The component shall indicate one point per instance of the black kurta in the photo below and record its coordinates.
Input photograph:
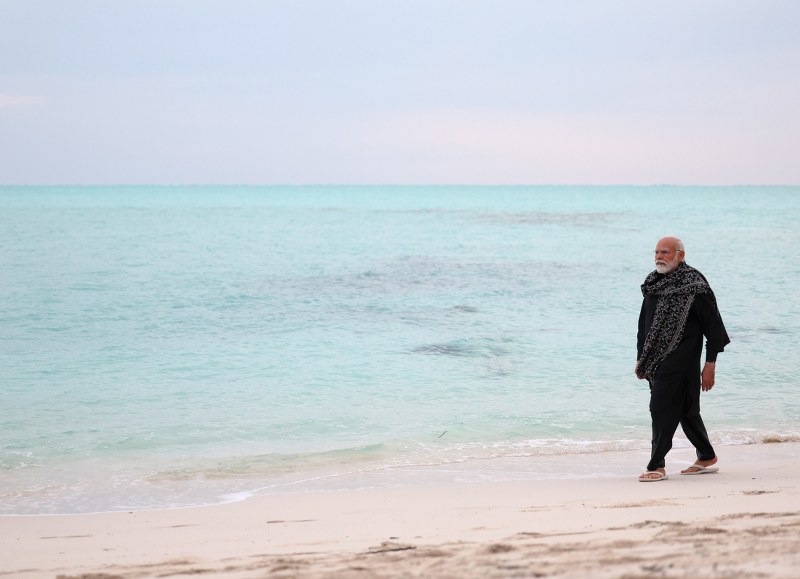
(704, 319)
(675, 387)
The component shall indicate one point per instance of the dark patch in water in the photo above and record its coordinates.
(597, 219)
(481, 349)
(444, 350)
(771, 330)
(466, 309)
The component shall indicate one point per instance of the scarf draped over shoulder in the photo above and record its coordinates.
(677, 291)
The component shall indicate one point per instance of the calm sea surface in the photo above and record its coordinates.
(171, 346)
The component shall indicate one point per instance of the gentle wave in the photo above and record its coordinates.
(402, 455)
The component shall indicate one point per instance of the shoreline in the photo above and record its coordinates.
(184, 489)
(206, 491)
(744, 519)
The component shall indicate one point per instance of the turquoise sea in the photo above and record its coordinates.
(172, 346)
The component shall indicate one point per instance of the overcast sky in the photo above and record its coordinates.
(400, 91)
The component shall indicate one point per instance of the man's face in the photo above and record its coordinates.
(668, 257)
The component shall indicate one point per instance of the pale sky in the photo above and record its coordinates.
(399, 91)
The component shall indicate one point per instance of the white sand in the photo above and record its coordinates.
(741, 522)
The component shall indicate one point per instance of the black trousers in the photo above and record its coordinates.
(675, 399)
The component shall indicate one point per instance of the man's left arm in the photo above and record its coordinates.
(716, 337)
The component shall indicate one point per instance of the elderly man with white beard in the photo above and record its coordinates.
(678, 309)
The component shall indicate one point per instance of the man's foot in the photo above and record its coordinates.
(653, 475)
(702, 467)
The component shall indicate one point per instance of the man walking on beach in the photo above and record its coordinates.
(678, 309)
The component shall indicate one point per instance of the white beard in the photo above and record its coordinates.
(667, 267)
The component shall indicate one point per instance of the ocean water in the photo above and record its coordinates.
(173, 346)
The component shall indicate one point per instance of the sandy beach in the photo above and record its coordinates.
(741, 522)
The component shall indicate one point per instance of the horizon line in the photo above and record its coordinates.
(388, 184)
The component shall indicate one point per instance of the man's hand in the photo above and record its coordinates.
(708, 376)
(636, 371)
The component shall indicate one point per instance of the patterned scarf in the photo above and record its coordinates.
(677, 290)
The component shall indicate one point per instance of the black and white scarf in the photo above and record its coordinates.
(677, 290)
